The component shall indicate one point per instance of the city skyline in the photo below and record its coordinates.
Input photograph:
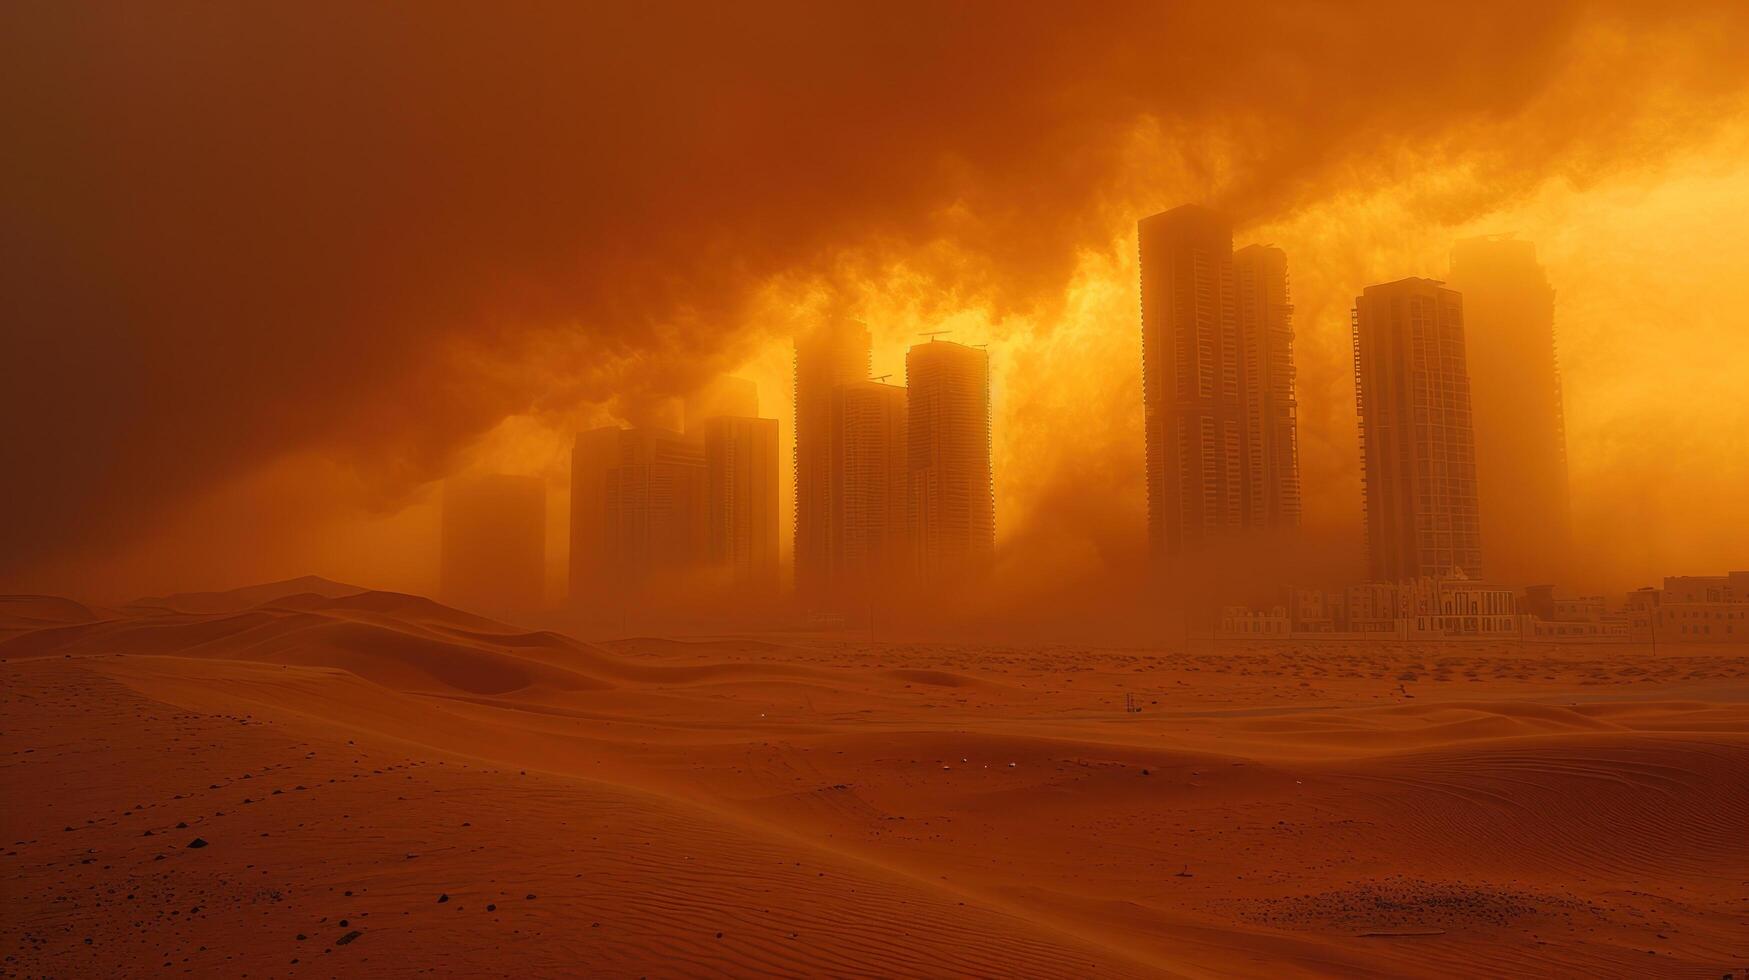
(887, 501)
(887, 490)
(505, 360)
(906, 489)
(829, 355)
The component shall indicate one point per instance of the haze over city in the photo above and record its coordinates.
(301, 304)
(865, 441)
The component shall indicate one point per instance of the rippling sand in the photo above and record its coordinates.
(386, 786)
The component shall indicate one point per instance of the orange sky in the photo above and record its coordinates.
(271, 275)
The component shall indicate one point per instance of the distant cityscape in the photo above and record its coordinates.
(1461, 443)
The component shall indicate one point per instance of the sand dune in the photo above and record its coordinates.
(236, 600)
(22, 612)
(815, 807)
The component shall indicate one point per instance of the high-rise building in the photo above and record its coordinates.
(655, 508)
(952, 503)
(592, 454)
(872, 507)
(638, 510)
(1418, 447)
(831, 355)
(1266, 338)
(740, 457)
(1515, 383)
(1217, 383)
(494, 543)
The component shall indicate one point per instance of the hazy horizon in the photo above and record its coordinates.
(257, 301)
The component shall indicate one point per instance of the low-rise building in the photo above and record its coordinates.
(1370, 607)
(1544, 603)
(1458, 607)
(1242, 621)
(1692, 609)
(1309, 611)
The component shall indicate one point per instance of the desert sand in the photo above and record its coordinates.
(309, 779)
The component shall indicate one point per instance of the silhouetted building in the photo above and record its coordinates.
(655, 508)
(741, 499)
(1412, 394)
(831, 355)
(1515, 385)
(494, 543)
(952, 502)
(638, 510)
(876, 556)
(1217, 382)
(1266, 338)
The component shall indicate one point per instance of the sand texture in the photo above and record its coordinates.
(381, 786)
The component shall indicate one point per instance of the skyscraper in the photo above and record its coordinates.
(741, 499)
(1521, 441)
(638, 510)
(592, 454)
(830, 355)
(876, 540)
(1266, 336)
(1217, 383)
(952, 508)
(655, 508)
(494, 543)
(1418, 447)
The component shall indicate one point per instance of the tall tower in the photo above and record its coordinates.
(740, 457)
(494, 543)
(952, 508)
(592, 455)
(831, 355)
(1521, 440)
(1266, 338)
(876, 537)
(1418, 446)
(638, 510)
(655, 508)
(1192, 380)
